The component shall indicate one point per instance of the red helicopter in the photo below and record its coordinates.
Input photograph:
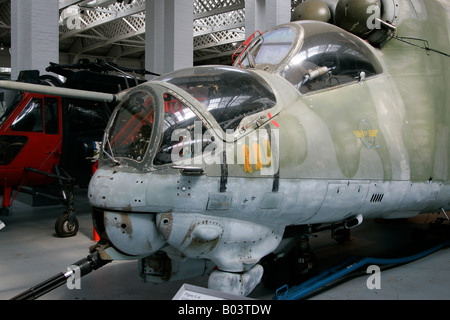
(48, 140)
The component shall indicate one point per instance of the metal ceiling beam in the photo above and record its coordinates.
(214, 12)
(118, 15)
(219, 43)
(110, 41)
(230, 15)
(67, 3)
(219, 29)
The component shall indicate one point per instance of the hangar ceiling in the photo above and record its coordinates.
(115, 30)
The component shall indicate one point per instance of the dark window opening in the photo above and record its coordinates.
(31, 117)
(86, 116)
(51, 116)
(10, 147)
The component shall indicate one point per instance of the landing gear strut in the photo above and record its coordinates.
(67, 224)
(292, 268)
(296, 262)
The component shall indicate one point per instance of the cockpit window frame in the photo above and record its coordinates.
(208, 121)
(345, 59)
(256, 119)
(303, 29)
(158, 89)
(149, 153)
(296, 45)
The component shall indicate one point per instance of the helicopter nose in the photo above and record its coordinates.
(121, 195)
(133, 233)
(115, 190)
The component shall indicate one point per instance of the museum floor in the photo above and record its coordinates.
(30, 253)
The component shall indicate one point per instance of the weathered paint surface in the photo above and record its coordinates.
(378, 147)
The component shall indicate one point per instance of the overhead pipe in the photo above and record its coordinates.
(63, 92)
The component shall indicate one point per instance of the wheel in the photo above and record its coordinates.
(64, 228)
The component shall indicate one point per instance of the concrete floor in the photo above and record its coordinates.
(30, 253)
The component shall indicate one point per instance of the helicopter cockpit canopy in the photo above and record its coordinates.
(229, 94)
(312, 55)
(168, 111)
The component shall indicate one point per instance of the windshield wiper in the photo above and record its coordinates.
(251, 60)
(250, 55)
(110, 156)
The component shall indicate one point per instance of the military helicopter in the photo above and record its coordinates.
(228, 170)
(50, 137)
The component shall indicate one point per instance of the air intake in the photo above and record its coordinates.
(377, 197)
